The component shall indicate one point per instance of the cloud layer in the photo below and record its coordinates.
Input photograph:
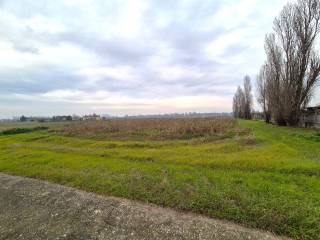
(128, 56)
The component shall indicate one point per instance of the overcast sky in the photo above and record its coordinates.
(128, 57)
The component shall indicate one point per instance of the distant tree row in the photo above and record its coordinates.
(289, 75)
(242, 100)
(46, 119)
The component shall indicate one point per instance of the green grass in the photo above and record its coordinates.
(268, 178)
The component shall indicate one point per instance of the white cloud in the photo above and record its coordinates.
(120, 73)
(41, 24)
(218, 47)
(104, 102)
(234, 12)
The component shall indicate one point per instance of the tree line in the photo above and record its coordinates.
(242, 100)
(287, 79)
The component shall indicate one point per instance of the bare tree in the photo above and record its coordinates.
(235, 105)
(262, 92)
(275, 91)
(247, 97)
(293, 66)
(238, 101)
(242, 100)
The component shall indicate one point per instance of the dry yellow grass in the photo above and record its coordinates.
(153, 129)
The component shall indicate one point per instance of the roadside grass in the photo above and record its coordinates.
(266, 177)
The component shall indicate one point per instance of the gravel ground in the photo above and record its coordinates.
(34, 209)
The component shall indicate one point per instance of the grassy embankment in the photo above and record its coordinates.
(266, 177)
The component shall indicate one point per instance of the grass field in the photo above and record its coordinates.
(255, 174)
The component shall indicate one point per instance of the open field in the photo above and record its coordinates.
(258, 175)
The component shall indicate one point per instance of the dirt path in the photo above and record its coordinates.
(33, 209)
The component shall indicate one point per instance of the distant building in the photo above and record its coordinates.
(92, 117)
(61, 118)
(75, 117)
(311, 117)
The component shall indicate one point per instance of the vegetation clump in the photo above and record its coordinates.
(13, 131)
